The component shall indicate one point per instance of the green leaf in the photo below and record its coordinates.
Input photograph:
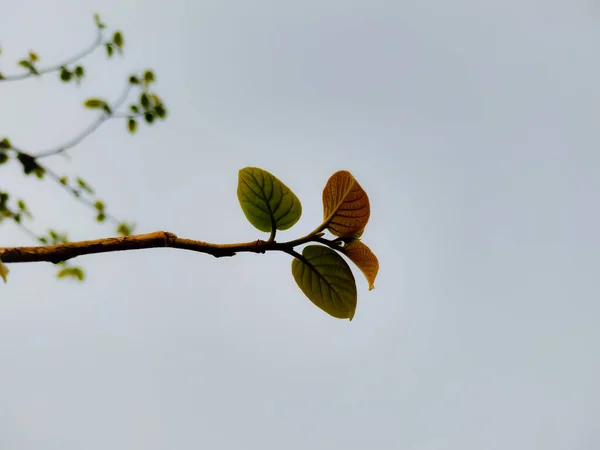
(145, 100)
(3, 271)
(134, 80)
(118, 39)
(160, 111)
(134, 109)
(65, 74)
(71, 272)
(101, 217)
(83, 185)
(94, 103)
(63, 181)
(1, 76)
(5, 143)
(109, 49)
(125, 229)
(29, 66)
(148, 76)
(149, 117)
(326, 279)
(79, 71)
(107, 109)
(268, 204)
(3, 157)
(132, 125)
(99, 24)
(33, 57)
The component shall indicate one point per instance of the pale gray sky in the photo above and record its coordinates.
(473, 126)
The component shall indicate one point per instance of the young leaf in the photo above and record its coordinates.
(94, 103)
(364, 258)
(79, 71)
(118, 39)
(3, 157)
(3, 271)
(5, 143)
(149, 117)
(109, 49)
(65, 74)
(346, 207)
(33, 57)
(29, 66)
(268, 204)
(71, 272)
(131, 125)
(148, 76)
(326, 279)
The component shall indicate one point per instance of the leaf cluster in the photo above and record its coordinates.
(320, 271)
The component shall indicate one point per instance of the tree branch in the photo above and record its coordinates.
(89, 130)
(73, 59)
(158, 239)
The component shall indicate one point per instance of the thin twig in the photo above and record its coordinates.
(89, 130)
(21, 76)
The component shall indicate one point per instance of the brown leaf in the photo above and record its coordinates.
(346, 208)
(364, 258)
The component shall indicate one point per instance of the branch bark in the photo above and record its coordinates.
(158, 239)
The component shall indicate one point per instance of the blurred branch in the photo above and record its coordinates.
(55, 68)
(86, 132)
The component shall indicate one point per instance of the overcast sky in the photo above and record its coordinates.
(473, 126)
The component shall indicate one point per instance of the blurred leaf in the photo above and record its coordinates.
(149, 117)
(63, 180)
(107, 109)
(148, 76)
(101, 217)
(99, 205)
(267, 203)
(29, 66)
(94, 103)
(65, 74)
(134, 80)
(118, 39)
(364, 258)
(71, 272)
(145, 100)
(346, 207)
(3, 271)
(1, 76)
(326, 279)
(131, 125)
(99, 24)
(83, 185)
(79, 71)
(160, 111)
(5, 143)
(3, 157)
(33, 56)
(109, 49)
(134, 109)
(124, 229)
